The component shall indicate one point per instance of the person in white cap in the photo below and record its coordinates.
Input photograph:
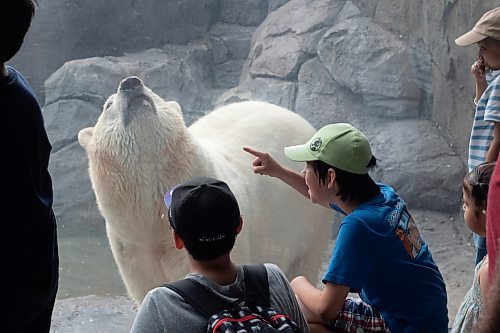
(484, 143)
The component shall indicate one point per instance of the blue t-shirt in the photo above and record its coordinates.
(379, 252)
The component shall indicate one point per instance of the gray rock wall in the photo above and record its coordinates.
(344, 66)
(65, 30)
(430, 28)
(389, 67)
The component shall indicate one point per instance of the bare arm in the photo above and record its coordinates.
(319, 306)
(479, 72)
(495, 144)
(483, 281)
(264, 164)
(490, 318)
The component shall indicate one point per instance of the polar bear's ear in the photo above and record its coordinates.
(84, 136)
(174, 106)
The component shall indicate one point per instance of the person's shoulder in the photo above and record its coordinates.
(385, 188)
(273, 267)
(163, 293)
(496, 80)
(275, 274)
(493, 88)
(22, 87)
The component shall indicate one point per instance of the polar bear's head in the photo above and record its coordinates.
(133, 143)
(133, 119)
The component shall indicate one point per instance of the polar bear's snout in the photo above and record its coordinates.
(133, 99)
(130, 83)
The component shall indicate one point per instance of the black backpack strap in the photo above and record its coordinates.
(198, 296)
(256, 285)
(206, 302)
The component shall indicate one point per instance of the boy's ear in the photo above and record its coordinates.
(178, 242)
(240, 225)
(332, 177)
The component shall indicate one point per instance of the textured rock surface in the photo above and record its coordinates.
(65, 30)
(93, 314)
(372, 63)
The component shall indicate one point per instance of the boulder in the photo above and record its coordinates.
(285, 40)
(373, 64)
(415, 157)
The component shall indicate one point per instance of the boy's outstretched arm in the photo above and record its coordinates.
(319, 306)
(264, 164)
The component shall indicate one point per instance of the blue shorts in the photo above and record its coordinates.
(357, 316)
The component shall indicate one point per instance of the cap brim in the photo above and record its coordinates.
(300, 153)
(168, 196)
(469, 38)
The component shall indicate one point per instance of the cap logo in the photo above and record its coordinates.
(316, 144)
(211, 239)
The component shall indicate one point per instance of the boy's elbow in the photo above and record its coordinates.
(328, 314)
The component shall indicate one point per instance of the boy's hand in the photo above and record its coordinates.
(478, 70)
(264, 164)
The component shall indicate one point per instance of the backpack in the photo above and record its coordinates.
(251, 313)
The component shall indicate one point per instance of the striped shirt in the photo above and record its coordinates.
(487, 112)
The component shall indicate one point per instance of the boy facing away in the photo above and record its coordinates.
(378, 253)
(205, 220)
(29, 241)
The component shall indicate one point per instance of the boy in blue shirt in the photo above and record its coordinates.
(379, 252)
(29, 242)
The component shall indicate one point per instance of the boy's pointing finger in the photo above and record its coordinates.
(253, 152)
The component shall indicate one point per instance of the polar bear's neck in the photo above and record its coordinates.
(137, 175)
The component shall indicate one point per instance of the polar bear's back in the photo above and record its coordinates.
(281, 226)
(246, 122)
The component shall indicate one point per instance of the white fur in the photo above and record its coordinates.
(131, 167)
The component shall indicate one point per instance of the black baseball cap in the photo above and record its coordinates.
(205, 214)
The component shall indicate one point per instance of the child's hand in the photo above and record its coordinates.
(264, 164)
(478, 70)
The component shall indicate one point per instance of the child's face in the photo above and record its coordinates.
(317, 193)
(475, 222)
(489, 50)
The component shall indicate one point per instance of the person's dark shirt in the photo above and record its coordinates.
(28, 242)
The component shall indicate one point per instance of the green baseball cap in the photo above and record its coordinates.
(340, 145)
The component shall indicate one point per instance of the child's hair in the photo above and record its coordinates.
(357, 187)
(476, 185)
(16, 20)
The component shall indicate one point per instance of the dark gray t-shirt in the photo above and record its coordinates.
(163, 310)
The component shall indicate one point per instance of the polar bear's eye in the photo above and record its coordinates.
(109, 104)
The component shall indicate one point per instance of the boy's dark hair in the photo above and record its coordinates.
(476, 185)
(16, 20)
(356, 187)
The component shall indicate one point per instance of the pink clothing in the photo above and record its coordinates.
(493, 220)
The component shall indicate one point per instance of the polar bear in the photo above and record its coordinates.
(140, 148)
